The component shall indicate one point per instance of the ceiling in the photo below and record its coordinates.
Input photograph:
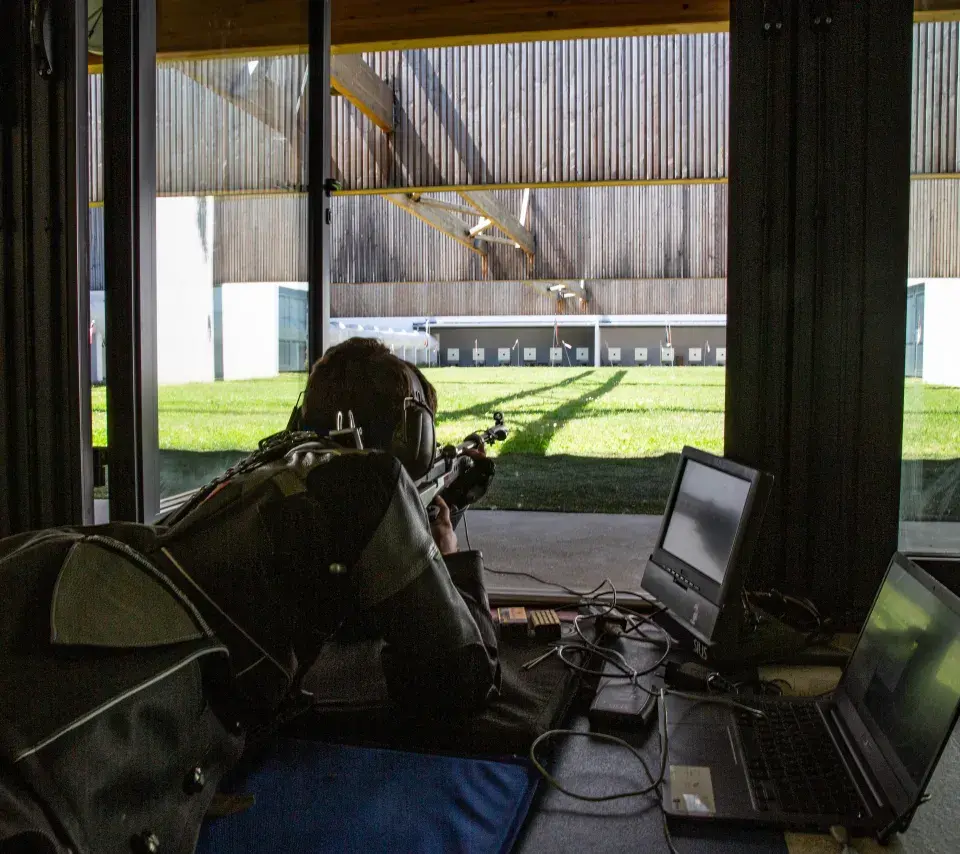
(191, 28)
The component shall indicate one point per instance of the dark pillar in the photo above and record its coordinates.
(45, 454)
(129, 201)
(319, 147)
(819, 203)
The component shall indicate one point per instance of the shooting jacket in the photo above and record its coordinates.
(136, 661)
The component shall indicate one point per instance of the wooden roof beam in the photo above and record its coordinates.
(360, 85)
(260, 97)
(481, 227)
(936, 10)
(463, 210)
(490, 208)
(444, 221)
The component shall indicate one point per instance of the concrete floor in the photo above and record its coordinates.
(575, 549)
(926, 537)
(581, 549)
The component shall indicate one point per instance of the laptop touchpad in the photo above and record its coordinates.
(703, 749)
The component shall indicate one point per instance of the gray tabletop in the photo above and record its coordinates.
(560, 824)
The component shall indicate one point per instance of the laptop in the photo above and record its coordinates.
(860, 757)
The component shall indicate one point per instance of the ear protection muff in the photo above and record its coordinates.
(414, 440)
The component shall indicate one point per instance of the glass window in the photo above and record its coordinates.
(231, 143)
(231, 158)
(593, 317)
(98, 325)
(930, 490)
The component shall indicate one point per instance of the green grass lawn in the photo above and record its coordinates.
(584, 439)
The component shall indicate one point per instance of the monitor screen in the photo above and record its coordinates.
(904, 676)
(705, 518)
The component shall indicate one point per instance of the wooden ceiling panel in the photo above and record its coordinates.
(359, 23)
(193, 28)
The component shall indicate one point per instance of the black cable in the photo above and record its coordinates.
(783, 600)
(570, 590)
(656, 783)
(543, 581)
(818, 631)
(641, 621)
(667, 643)
(466, 530)
(617, 660)
(611, 656)
(611, 739)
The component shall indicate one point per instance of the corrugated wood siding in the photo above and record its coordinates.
(657, 231)
(624, 233)
(656, 296)
(260, 239)
(625, 109)
(614, 109)
(935, 228)
(96, 248)
(223, 125)
(936, 68)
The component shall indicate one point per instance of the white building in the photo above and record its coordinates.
(933, 331)
(234, 331)
(185, 322)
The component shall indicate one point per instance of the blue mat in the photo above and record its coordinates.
(315, 797)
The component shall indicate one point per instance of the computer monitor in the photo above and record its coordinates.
(705, 543)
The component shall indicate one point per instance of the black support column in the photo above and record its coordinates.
(819, 204)
(129, 139)
(45, 450)
(318, 164)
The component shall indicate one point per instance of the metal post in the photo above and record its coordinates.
(318, 201)
(130, 184)
(46, 468)
(596, 343)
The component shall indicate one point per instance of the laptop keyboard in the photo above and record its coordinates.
(792, 763)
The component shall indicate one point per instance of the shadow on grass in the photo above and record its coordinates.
(535, 437)
(641, 409)
(486, 407)
(566, 483)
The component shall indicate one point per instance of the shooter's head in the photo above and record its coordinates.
(362, 376)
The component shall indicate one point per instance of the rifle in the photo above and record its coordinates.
(452, 461)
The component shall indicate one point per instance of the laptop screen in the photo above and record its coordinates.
(707, 513)
(904, 676)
